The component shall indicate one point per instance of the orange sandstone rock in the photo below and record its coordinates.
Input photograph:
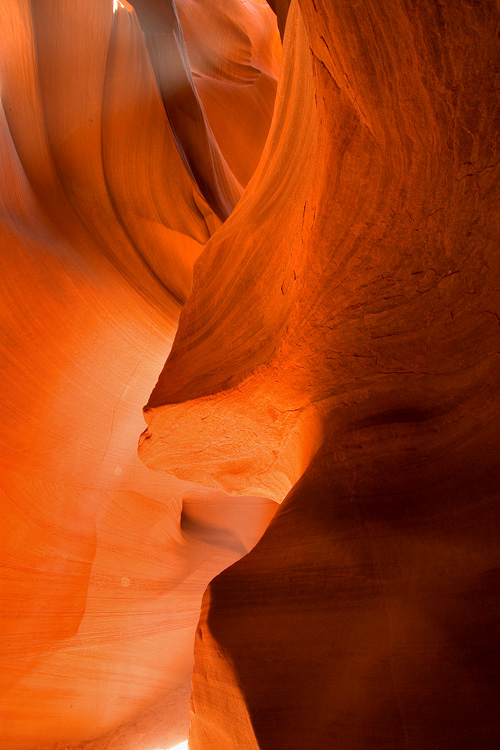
(345, 318)
(103, 561)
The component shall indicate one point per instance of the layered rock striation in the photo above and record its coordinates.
(339, 353)
(104, 561)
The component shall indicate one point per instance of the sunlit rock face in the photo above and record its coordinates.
(340, 352)
(101, 219)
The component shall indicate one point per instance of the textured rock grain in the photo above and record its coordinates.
(366, 248)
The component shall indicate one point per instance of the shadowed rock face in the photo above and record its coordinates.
(190, 127)
(346, 319)
(104, 561)
(280, 7)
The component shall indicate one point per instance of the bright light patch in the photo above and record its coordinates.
(117, 4)
(182, 746)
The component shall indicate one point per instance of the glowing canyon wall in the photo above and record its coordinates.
(338, 354)
(105, 561)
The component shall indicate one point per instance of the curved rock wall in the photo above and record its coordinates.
(346, 319)
(104, 562)
(338, 353)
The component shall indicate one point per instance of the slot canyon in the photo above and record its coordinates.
(250, 355)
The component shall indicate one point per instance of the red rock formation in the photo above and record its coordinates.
(338, 352)
(104, 561)
(366, 251)
(234, 54)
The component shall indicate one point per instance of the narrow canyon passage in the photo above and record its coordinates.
(322, 417)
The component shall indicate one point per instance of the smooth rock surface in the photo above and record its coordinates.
(367, 249)
(104, 561)
(338, 353)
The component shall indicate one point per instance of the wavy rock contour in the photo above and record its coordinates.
(363, 381)
(104, 562)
